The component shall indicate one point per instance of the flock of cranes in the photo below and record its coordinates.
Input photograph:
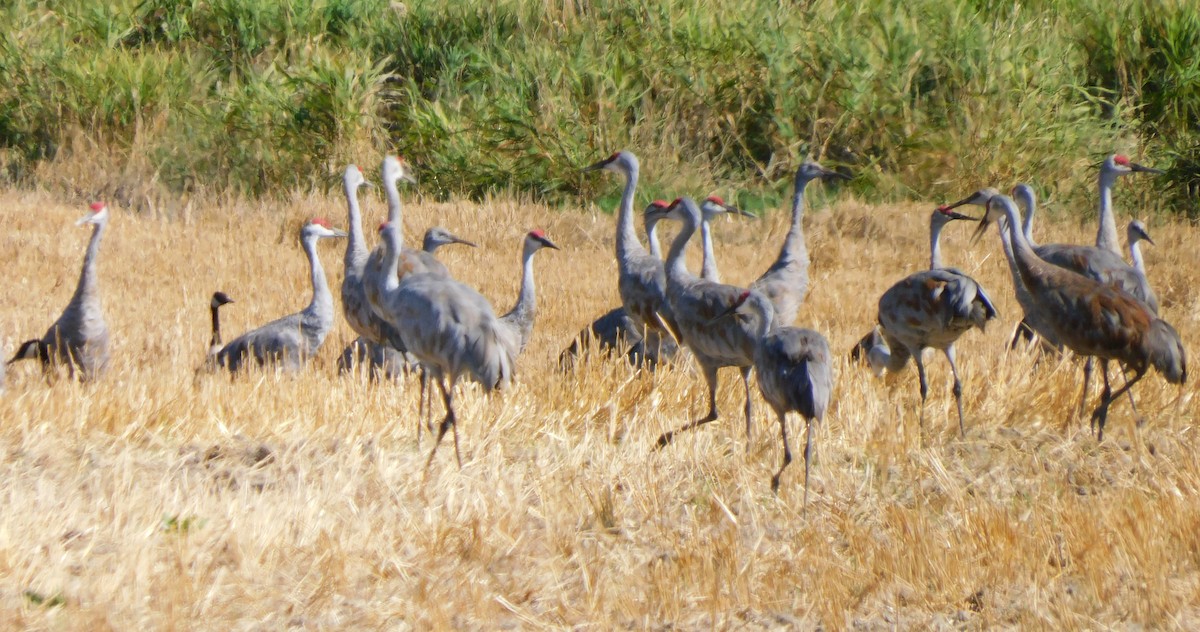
(411, 314)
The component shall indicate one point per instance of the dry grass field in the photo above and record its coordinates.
(155, 499)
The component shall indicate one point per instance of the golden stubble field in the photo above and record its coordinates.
(157, 500)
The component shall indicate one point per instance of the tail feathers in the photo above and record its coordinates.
(1166, 351)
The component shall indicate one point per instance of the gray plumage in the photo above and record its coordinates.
(520, 318)
(289, 341)
(79, 338)
(929, 309)
(641, 281)
(785, 283)
(1091, 318)
(794, 374)
(449, 327)
(710, 209)
(696, 303)
(1134, 234)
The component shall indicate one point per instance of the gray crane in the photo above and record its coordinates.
(929, 309)
(614, 331)
(520, 318)
(1114, 167)
(449, 327)
(793, 373)
(641, 281)
(696, 303)
(1092, 318)
(289, 341)
(386, 360)
(710, 209)
(78, 340)
(786, 281)
(1134, 233)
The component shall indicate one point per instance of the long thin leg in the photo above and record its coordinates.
(749, 416)
(1023, 333)
(1101, 414)
(787, 450)
(950, 355)
(807, 457)
(1087, 381)
(1104, 397)
(710, 376)
(421, 404)
(447, 422)
(924, 385)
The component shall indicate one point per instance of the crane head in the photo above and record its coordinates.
(810, 170)
(395, 169)
(1137, 232)
(538, 238)
(945, 213)
(318, 228)
(733, 308)
(437, 237)
(623, 161)
(1120, 165)
(97, 214)
(219, 299)
(714, 205)
(353, 178)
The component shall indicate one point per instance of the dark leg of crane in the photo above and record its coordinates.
(1023, 333)
(749, 415)
(807, 457)
(1087, 381)
(924, 386)
(1104, 399)
(950, 355)
(787, 450)
(710, 376)
(446, 424)
(1100, 416)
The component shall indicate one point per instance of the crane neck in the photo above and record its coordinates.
(322, 299)
(216, 326)
(88, 279)
(356, 245)
(390, 279)
(627, 241)
(1026, 261)
(935, 244)
(1027, 223)
(709, 266)
(526, 299)
(766, 314)
(1106, 236)
(652, 239)
(676, 264)
(793, 244)
(1135, 255)
(395, 208)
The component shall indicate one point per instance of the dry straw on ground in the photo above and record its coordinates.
(156, 500)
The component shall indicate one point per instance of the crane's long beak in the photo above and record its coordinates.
(460, 240)
(597, 166)
(737, 211)
(408, 177)
(368, 183)
(1135, 167)
(837, 175)
(984, 222)
(957, 215)
(86, 219)
(547, 243)
(726, 314)
(338, 233)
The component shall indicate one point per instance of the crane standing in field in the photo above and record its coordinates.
(1091, 318)
(641, 281)
(793, 374)
(291, 340)
(696, 303)
(385, 360)
(214, 344)
(79, 338)
(449, 327)
(929, 309)
(786, 281)
(520, 318)
(710, 209)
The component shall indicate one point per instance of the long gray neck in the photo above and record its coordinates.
(766, 314)
(394, 207)
(1025, 260)
(1106, 236)
(87, 290)
(935, 244)
(390, 279)
(676, 264)
(356, 246)
(627, 241)
(216, 326)
(322, 300)
(793, 243)
(652, 238)
(526, 305)
(708, 270)
(1135, 254)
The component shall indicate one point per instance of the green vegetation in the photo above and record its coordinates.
(924, 98)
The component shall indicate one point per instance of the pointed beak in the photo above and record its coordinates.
(737, 211)
(86, 219)
(547, 243)
(597, 166)
(339, 233)
(836, 175)
(368, 183)
(460, 240)
(408, 177)
(957, 215)
(984, 222)
(966, 200)
(726, 314)
(1135, 167)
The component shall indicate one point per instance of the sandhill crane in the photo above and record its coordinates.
(615, 330)
(291, 340)
(793, 373)
(710, 208)
(79, 338)
(929, 309)
(1092, 318)
(214, 343)
(520, 318)
(385, 360)
(449, 327)
(786, 281)
(641, 281)
(1113, 167)
(1134, 233)
(695, 303)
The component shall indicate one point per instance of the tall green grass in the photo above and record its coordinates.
(925, 98)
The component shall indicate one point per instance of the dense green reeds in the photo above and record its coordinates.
(922, 98)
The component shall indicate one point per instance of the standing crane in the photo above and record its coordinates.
(291, 340)
(641, 281)
(1134, 233)
(929, 309)
(449, 327)
(786, 281)
(1092, 318)
(214, 343)
(793, 373)
(79, 338)
(696, 303)
(520, 318)
(710, 208)
(385, 359)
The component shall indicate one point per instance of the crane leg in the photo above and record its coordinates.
(787, 451)
(1104, 400)
(807, 457)
(749, 414)
(1023, 333)
(950, 355)
(1087, 381)
(421, 404)
(924, 387)
(447, 423)
(1101, 414)
(710, 376)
